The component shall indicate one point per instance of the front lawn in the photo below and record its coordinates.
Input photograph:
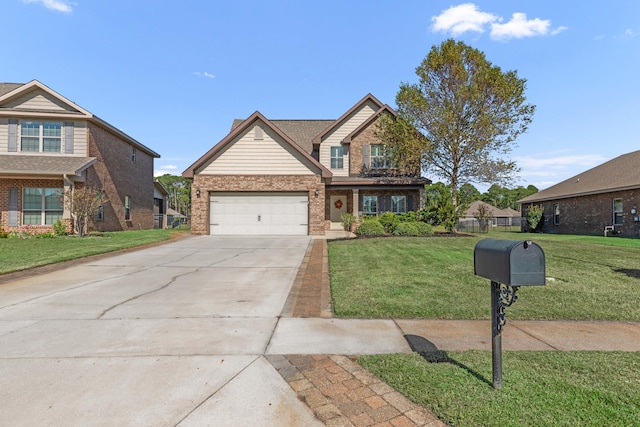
(542, 388)
(19, 254)
(591, 278)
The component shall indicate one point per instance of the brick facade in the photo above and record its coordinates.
(20, 184)
(250, 183)
(590, 214)
(118, 175)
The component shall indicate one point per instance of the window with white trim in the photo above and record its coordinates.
(398, 204)
(41, 136)
(617, 211)
(127, 208)
(370, 205)
(337, 157)
(41, 206)
(379, 157)
(556, 214)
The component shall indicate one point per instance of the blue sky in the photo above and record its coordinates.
(174, 75)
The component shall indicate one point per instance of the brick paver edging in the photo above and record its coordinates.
(342, 393)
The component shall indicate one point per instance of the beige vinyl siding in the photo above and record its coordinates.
(335, 137)
(4, 135)
(267, 156)
(38, 100)
(79, 137)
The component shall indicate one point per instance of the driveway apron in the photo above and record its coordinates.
(171, 335)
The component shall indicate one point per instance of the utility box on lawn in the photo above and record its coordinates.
(511, 262)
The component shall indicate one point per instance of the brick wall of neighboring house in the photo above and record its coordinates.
(119, 176)
(248, 183)
(6, 184)
(589, 215)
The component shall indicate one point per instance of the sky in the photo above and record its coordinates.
(174, 74)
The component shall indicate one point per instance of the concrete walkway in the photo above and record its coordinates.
(223, 331)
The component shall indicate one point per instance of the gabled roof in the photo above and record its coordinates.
(301, 132)
(257, 116)
(385, 108)
(160, 187)
(35, 165)
(621, 173)
(338, 122)
(9, 91)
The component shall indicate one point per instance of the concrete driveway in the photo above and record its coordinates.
(170, 335)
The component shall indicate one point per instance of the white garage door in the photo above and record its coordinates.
(259, 213)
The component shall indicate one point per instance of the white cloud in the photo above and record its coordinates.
(468, 17)
(59, 5)
(630, 33)
(204, 74)
(460, 19)
(170, 169)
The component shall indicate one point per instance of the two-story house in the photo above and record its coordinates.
(298, 176)
(49, 145)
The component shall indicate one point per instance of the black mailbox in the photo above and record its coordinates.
(511, 262)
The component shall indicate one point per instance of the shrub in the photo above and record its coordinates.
(406, 229)
(534, 216)
(424, 229)
(59, 228)
(347, 220)
(3, 234)
(408, 217)
(389, 221)
(370, 227)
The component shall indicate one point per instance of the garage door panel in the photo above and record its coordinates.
(259, 213)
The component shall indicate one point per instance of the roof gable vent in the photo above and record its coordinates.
(258, 133)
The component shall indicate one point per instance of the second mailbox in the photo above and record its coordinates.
(511, 262)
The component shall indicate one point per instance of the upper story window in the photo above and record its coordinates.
(337, 157)
(41, 136)
(617, 211)
(133, 154)
(379, 157)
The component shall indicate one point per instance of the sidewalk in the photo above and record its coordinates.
(342, 394)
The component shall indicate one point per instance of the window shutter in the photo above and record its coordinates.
(13, 135)
(13, 207)
(366, 155)
(68, 137)
(409, 203)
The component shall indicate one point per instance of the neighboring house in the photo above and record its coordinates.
(175, 218)
(497, 217)
(160, 205)
(604, 200)
(49, 145)
(298, 176)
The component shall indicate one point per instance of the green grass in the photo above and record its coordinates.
(539, 388)
(20, 254)
(592, 278)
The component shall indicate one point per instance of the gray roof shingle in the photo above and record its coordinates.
(43, 165)
(8, 87)
(617, 174)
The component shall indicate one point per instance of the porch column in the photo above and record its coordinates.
(354, 202)
(421, 198)
(68, 188)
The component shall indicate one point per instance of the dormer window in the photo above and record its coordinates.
(41, 136)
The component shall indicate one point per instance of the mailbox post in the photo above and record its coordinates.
(509, 264)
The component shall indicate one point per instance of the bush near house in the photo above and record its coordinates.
(389, 223)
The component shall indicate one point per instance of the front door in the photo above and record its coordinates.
(338, 207)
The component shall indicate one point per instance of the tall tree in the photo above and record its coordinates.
(468, 114)
(179, 192)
